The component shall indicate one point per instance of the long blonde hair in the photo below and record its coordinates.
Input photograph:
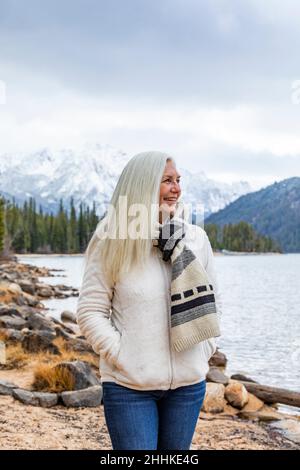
(140, 183)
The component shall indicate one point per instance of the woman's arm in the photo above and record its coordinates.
(93, 310)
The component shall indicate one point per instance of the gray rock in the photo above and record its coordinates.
(79, 345)
(215, 375)
(43, 290)
(14, 288)
(72, 327)
(7, 310)
(36, 341)
(218, 359)
(6, 388)
(27, 397)
(62, 325)
(27, 311)
(13, 322)
(62, 333)
(27, 286)
(91, 396)
(37, 321)
(68, 316)
(31, 300)
(11, 335)
(81, 372)
(46, 400)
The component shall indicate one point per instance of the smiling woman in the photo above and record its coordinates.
(170, 189)
(147, 307)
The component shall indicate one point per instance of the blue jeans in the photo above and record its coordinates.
(154, 419)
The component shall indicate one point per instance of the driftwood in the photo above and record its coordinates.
(272, 394)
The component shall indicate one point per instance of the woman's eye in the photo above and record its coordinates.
(170, 181)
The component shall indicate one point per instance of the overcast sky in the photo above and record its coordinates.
(212, 82)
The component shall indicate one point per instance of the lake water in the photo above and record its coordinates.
(261, 313)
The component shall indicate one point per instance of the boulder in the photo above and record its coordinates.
(214, 401)
(31, 300)
(14, 288)
(253, 404)
(37, 341)
(81, 373)
(10, 310)
(27, 286)
(27, 397)
(68, 316)
(6, 388)
(215, 375)
(266, 414)
(79, 345)
(62, 325)
(46, 400)
(11, 335)
(62, 333)
(218, 359)
(236, 394)
(46, 292)
(72, 327)
(16, 323)
(37, 321)
(91, 396)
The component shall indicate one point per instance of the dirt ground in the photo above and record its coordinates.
(30, 427)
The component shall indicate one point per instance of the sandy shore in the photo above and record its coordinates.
(29, 427)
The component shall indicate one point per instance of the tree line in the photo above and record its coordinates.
(239, 237)
(26, 230)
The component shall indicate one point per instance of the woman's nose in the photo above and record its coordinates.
(175, 186)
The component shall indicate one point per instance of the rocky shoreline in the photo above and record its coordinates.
(49, 377)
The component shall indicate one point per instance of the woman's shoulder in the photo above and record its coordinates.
(196, 232)
(197, 240)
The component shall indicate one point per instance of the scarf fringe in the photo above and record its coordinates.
(187, 342)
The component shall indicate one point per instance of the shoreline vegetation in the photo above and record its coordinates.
(26, 229)
(51, 394)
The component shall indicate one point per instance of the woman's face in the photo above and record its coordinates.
(169, 190)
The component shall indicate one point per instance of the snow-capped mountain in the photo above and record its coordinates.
(212, 195)
(90, 174)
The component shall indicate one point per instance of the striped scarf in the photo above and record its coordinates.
(193, 308)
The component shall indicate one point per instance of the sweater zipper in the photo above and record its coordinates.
(169, 321)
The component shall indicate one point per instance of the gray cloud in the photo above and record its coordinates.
(61, 59)
(211, 51)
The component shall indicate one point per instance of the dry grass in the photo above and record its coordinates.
(58, 379)
(3, 336)
(48, 378)
(17, 358)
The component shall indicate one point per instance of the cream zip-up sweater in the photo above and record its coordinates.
(128, 324)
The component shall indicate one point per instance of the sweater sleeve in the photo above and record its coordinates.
(93, 310)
